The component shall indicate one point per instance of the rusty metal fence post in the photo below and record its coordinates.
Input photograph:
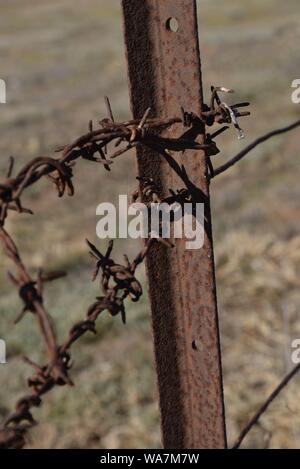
(164, 71)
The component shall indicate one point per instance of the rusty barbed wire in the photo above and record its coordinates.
(117, 281)
(133, 132)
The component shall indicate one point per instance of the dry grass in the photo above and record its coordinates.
(260, 302)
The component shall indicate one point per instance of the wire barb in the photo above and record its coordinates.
(117, 280)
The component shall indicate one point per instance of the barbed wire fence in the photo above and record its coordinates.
(118, 281)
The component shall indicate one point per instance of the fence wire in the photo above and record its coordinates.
(117, 281)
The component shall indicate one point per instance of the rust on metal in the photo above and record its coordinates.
(118, 282)
(163, 57)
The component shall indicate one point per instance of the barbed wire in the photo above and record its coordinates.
(117, 281)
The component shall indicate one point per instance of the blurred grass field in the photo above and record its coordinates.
(59, 60)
